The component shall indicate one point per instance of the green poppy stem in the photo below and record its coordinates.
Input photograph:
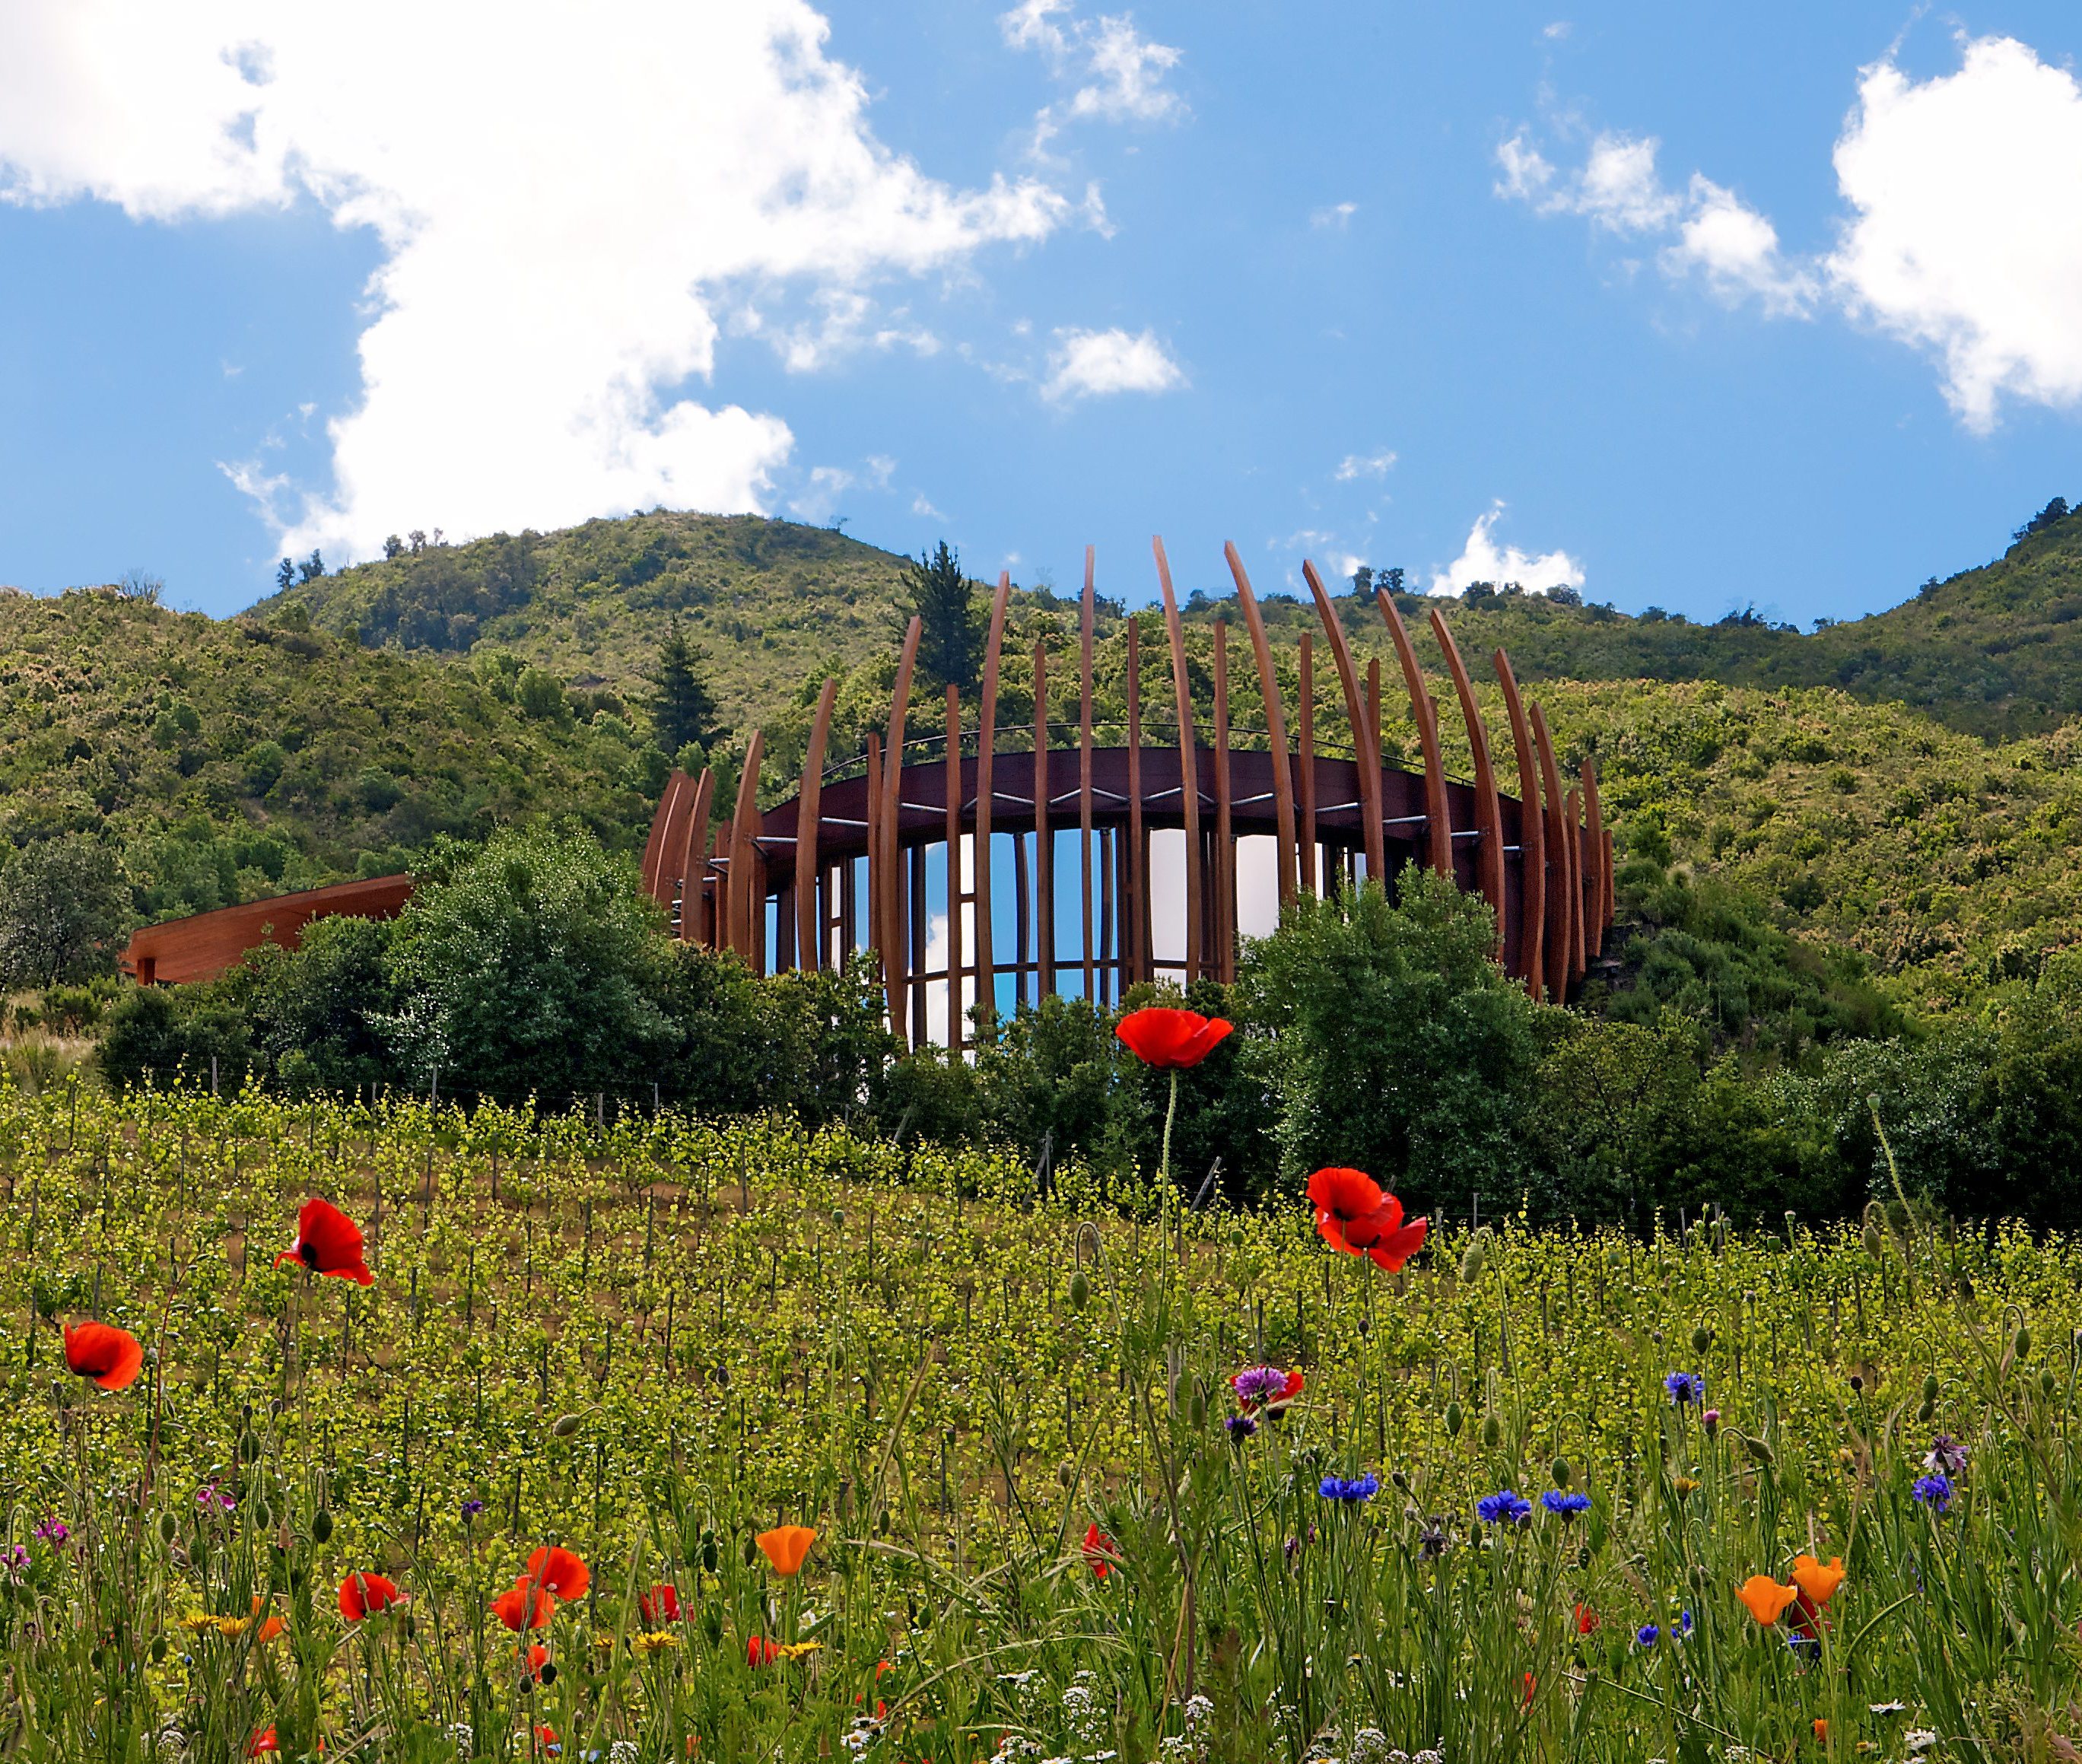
(1170, 1114)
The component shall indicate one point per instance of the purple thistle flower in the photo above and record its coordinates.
(1947, 1457)
(1934, 1491)
(1503, 1508)
(1685, 1387)
(1258, 1383)
(1564, 1506)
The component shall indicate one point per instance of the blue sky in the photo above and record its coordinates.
(1774, 306)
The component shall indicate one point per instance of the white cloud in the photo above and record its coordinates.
(1357, 466)
(1116, 74)
(1736, 249)
(818, 498)
(1095, 363)
(1559, 29)
(1334, 218)
(1966, 239)
(924, 509)
(566, 199)
(1480, 561)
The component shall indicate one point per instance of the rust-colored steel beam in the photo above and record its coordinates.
(1084, 644)
(809, 944)
(1309, 852)
(1439, 823)
(897, 959)
(176, 952)
(877, 911)
(694, 868)
(1577, 967)
(1044, 853)
(1488, 807)
(1189, 762)
(653, 847)
(1225, 850)
(1557, 931)
(1135, 908)
(1531, 837)
(954, 892)
(1369, 765)
(993, 655)
(744, 829)
(1285, 861)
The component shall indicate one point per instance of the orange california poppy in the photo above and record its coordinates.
(110, 1356)
(1172, 1040)
(785, 1546)
(523, 1606)
(661, 1604)
(1820, 1730)
(362, 1594)
(557, 1570)
(269, 1630)
(1818, 1584)
(328, 1242)
(1766, 1598)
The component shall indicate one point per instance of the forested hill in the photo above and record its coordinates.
(1995, 650)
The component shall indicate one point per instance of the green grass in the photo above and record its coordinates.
(649, 1341)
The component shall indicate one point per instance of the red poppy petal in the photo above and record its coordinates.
(559, 1571)
(328, 1241)
(1393, 1250)
(1350, 1194)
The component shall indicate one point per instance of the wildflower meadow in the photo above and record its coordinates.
(387, 1431)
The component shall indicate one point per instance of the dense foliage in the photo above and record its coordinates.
(1539, 1496)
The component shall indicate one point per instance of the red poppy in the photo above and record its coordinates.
(361, 1594)
(1275, 1404)
(559, 1571)
(1171, 1040)
(262, 1741)
(110, 1356)
(547, 1735)
(1399, 1242)
(660, 1604)
(538, 1657)
(1101, 1554)
(1586, 1620)
(328, 1242)
(1353, 1214)
(523, 1606)
(760, 1652)
(1530, 1683)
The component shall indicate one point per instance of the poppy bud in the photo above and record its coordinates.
(158, 1649)
(1492, 1432)
(1366, 1326)
(548, 1674)
(1926, 1410)
(1562, 1473)
(1857, 1383)
(249, 1448)
(2023, 1342)
(2047, 1383)
(1080, 1290)
(321, 1527)
(1702, 1338)
(1453, 1419)
(1930, 1388)
(1760, 1450)
(264, 1515)
(1399, 1480)
(712, 1625)
(751, 1552)
(838, 1217)
(709, 1554)
(1472, 1263)
(565, 1426)
(1196, 1408)
(882, 1523)
(1872, 1241)
(169, 1528)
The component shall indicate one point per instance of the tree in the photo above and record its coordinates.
(681, 710)
(286, 574)
(310, 568)
(531, 966)
(1398, 1047)
(393, 548)
(64, 908)
(138, 585)
(951, 644)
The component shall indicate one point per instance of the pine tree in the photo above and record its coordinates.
(951, 645)
(681, 710)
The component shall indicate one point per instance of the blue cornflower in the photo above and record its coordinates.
(1352, 1488)
(1685, 1387)
(471, 1508)
(1684, 1624)
(1647, 1635)
(1806, 1647)
(1503, 1508)
(1934, 1491)
(1240, 1427)
(1564, 1506)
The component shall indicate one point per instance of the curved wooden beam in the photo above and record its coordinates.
(1577, 965)
(743, 863)
(876, 882)
(1531, 837)
(809, 944)
(1305, 732)
(896, 960)
(666, 824)
(1189, 761)
(954, 836)
(1288, 860)
(1225, 848)
(1135, 913)
(993, 655)
(1355, 712)
(1438, 818)
(1600, 913)
(1085, 638)
(693, 867)
(1558, 952)
(1488, 809)
(1044, 850)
